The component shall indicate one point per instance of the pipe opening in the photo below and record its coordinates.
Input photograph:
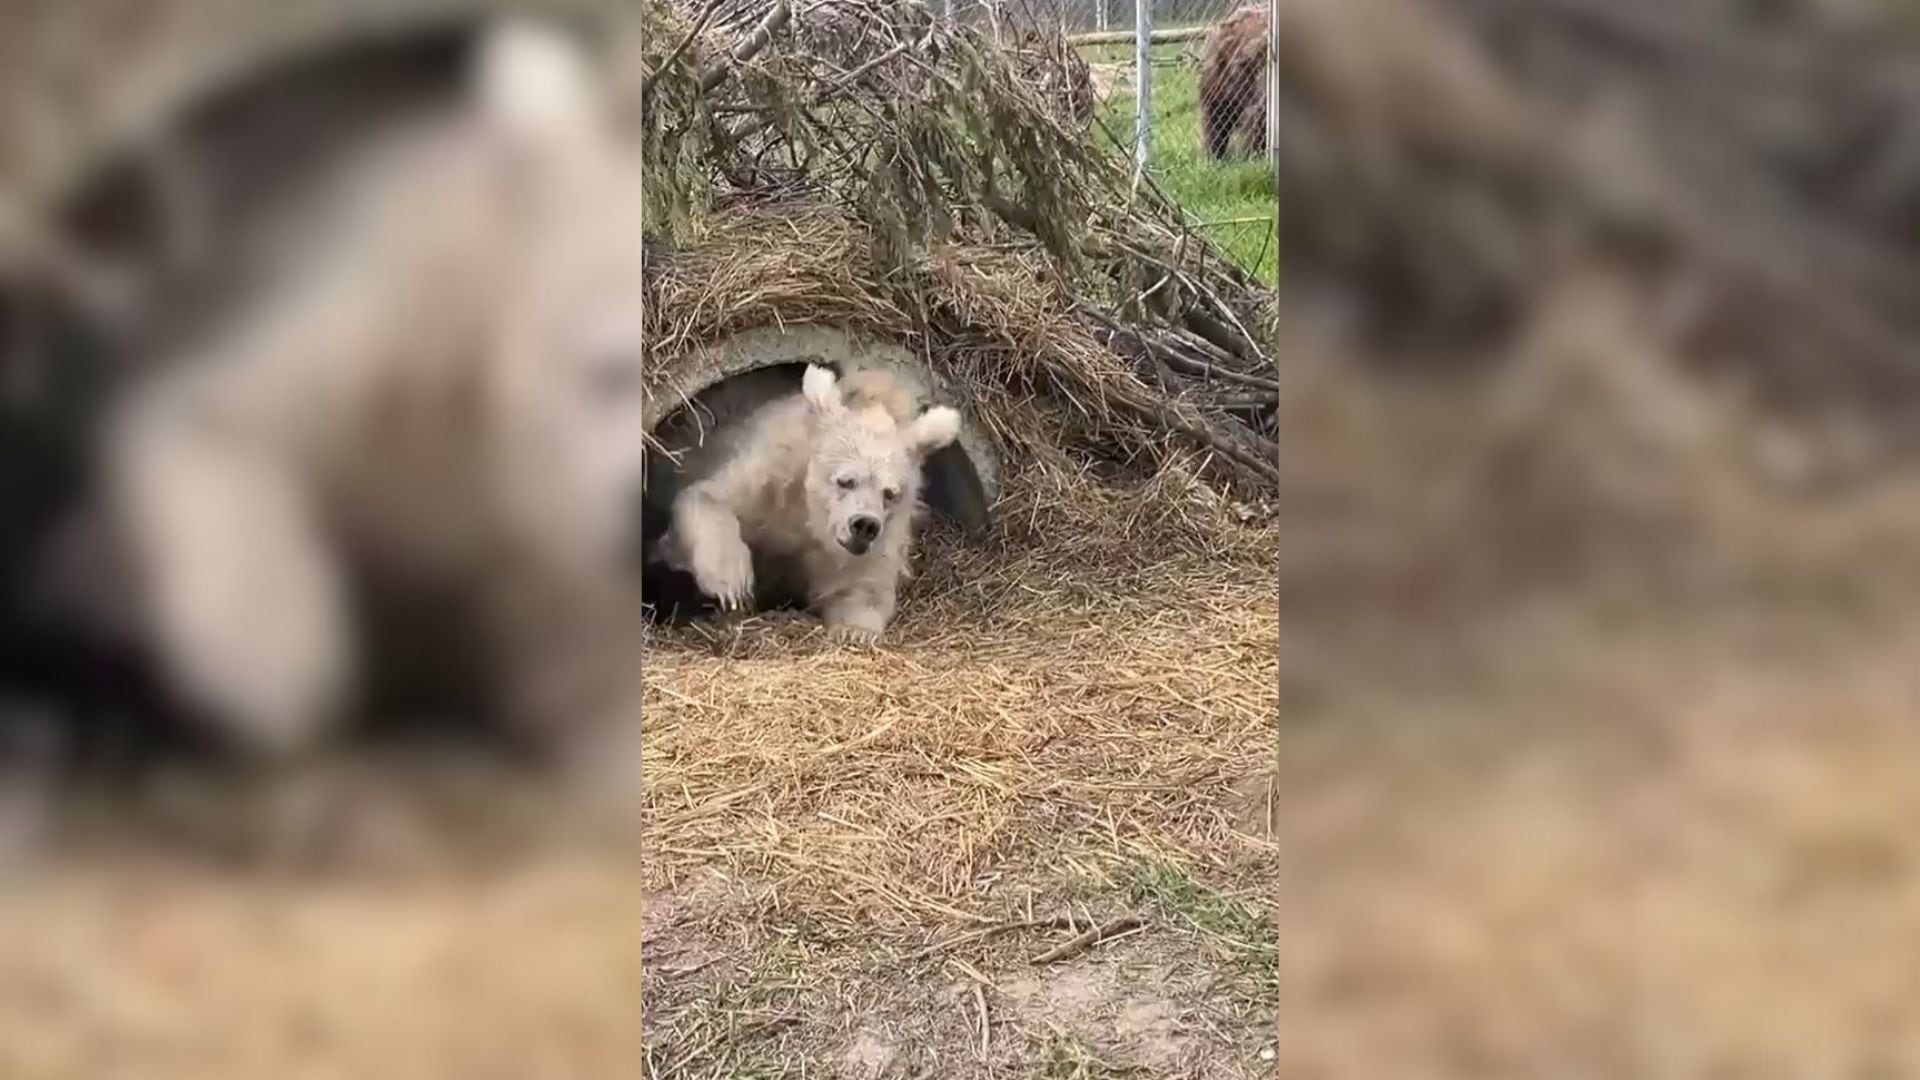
(953, 489)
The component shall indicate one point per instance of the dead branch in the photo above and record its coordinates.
(1081, 943)
(751, 46)
(673, 55)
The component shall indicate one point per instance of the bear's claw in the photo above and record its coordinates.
(727, 576)
(855, 625)
(854, 635)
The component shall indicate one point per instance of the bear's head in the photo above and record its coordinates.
(863, 481)
(564, 395)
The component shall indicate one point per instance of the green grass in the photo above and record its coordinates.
(1229, 926)
(1065, 1058)
(1220, 197)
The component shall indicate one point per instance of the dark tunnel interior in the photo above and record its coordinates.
(953, 492)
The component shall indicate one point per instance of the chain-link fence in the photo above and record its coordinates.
(1183, 86)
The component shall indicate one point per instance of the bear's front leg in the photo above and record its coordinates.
(242, 596)
(713, 550)
(858, 615)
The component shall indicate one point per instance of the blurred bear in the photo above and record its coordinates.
(1233, 83)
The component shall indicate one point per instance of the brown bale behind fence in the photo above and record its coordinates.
(1233, 85)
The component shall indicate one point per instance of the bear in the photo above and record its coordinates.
(441, 388)
(1233, 83)
(820, 488)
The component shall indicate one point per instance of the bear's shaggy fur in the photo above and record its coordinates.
(1233, 83)
(442, 389)
(820, 488)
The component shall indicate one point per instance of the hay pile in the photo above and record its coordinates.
(877, 171)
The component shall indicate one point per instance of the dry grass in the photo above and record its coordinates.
(1073, 690)
(998, 322)
(1065, 726)
(758, 269)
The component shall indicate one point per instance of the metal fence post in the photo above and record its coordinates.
(1273, 83)
(1143, 84)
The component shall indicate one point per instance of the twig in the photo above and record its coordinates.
(761, 37)
(1267, 470)
(1234, 339)
(1245, 401)
(1059, 922)
(1199, 348)
(1207, 370)
(1173, 358)
(1082, 942)
(852, 76)
(771, 1023)
(1172, 414)
(700, 24)
(1227, 337)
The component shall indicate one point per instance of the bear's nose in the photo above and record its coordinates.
(865, 529)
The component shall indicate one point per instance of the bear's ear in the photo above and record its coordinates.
(822, 389)
(538, 96)
(933, 429)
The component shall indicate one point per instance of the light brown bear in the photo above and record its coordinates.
(822, 486)
(442, 386)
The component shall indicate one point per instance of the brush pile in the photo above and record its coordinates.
(863, 165)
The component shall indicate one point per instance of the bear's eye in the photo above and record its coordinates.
(847, 483)
(889, 494)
